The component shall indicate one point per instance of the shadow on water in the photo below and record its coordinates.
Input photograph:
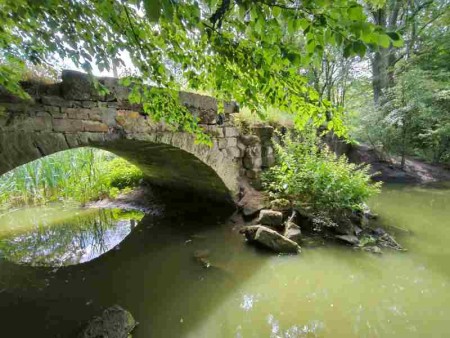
(153, 273)
(325, 292)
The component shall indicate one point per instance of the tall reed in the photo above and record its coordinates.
(80, 174)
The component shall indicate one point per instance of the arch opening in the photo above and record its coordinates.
(43, 219)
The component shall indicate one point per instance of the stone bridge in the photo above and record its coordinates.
(72, 114)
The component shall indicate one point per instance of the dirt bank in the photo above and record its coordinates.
(389, 170)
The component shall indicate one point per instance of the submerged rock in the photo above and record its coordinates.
(270, 217)
(373, 249)
(350, 239)
(201, 256)
(388, 241)
(114, 322)
(270, 239)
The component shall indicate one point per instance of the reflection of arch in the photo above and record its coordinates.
(69, 115)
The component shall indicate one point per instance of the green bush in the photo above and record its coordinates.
(312, 176)
(122, 174)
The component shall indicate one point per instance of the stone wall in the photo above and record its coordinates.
(72, 114)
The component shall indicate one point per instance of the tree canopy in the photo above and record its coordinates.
(252, 51)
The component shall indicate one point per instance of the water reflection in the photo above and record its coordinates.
(328, 291)
(79, 236)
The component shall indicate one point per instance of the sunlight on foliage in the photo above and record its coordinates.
(310, 175)
(252, 52)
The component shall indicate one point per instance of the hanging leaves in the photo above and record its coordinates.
(250, 51)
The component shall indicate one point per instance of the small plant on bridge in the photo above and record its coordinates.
(312, 176)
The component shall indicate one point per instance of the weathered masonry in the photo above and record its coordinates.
(72, 114)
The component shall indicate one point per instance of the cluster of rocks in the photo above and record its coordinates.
(283, 228)
(274, 232)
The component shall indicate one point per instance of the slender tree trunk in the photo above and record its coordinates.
(403, 160)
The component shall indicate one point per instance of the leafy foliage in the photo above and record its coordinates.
(250, 51)
(310, 175)
(409, 83)
(119, 173)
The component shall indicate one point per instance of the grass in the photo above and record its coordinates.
(246, 119)
(79, 175)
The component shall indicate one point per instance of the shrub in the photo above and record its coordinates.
(310, 175)
(122, 174)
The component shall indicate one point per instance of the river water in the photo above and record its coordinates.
(327, 291)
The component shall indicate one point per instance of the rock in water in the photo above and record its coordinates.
(115, 322)
(350, 239)
(271, 217)
(270, 239)
(293, 232)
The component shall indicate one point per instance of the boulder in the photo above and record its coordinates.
(270, 217)
(293, 232)
(114, 322)
(270, 239)
(252, 200)
(281, 204)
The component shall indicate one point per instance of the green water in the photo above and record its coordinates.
(324, 292)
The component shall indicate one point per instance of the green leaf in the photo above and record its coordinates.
(355, 13)
(384, 40)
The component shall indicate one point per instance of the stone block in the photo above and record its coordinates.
(205, 103)
(41, 123)
(95, 127)
(95, 114)
(109, 116)
(76, 113)
(252, 158)
(55, 101)
(222, 143)
(249, 140)
(264, 133)
(267, 156)
(52, 110)
(213, 130)
(72, 140)
(231, 142)
(67, 125)
(50, 142)
(89, 104)
(233, 152)
(78, 86)
(231, 132)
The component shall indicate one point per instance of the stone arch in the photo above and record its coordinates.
(71, 114)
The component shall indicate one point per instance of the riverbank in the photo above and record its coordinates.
(390, 171)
